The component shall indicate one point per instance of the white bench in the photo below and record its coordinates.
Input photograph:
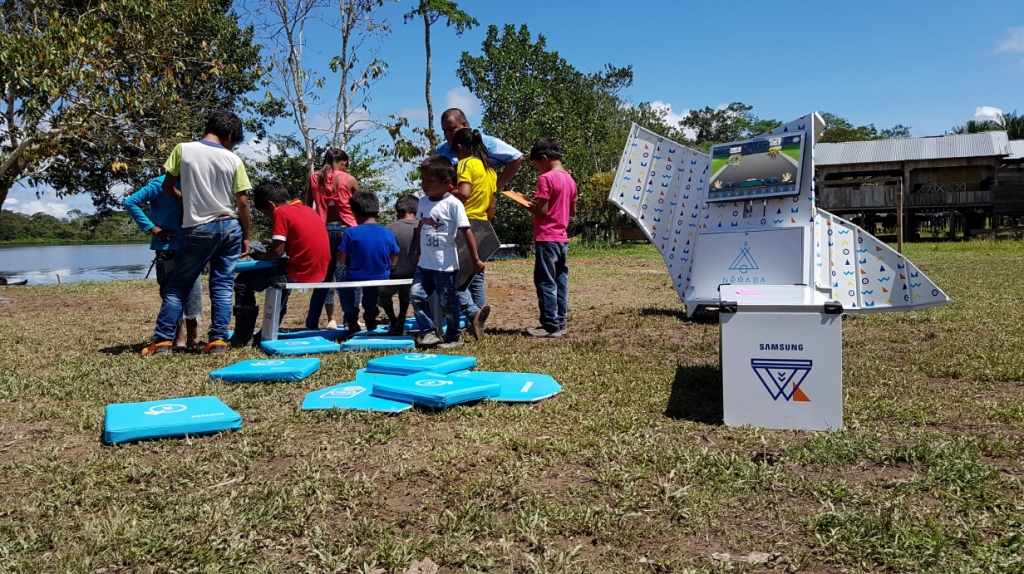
(272, 300)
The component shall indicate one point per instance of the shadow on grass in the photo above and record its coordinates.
(701, 318)
(696, 394)
(122, 349)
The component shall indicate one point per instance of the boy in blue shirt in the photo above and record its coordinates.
(368, 250)
(164, 224)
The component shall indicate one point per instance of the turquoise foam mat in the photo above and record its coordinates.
(301, 346)
(409, 363)
(266, 370)
(437, 390)
(126, 422)
(517, 387)
(378, 342)
(351, 396)
(251, 265)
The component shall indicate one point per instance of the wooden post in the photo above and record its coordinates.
(899, 218)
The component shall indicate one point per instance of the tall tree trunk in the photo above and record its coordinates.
(431, 134)
(340, 139)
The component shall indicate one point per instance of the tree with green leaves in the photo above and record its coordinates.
(839, 129)
(87, 87)
(431, 11)
(1014, 124)
(358, 24)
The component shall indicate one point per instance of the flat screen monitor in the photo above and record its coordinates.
(756, 169)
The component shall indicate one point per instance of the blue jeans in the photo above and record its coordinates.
(218, 243)
(551, 277)
(350, 306)
(474, 296)
(335, 230)
(424, 284)
(193, 307)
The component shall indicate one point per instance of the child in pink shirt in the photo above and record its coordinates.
(554, 203)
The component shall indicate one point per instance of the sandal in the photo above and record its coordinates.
(157, 348)
(215, 347)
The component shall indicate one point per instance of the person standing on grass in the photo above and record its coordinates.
(554, 202)
(215, 227)
(164, 224)
(476, 189)
(501, 155)
(442, 218)
(368, 251)
(329, 191)
(404, 229)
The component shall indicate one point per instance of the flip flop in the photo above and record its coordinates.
(215, 347)
(157, 349)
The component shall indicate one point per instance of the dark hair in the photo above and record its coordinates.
(226, 126)
(331, 157)
(454, 113)
(406, 204)
(545, 147)
(473, 142)
(440, 166)
(364, 203)
(268, 191)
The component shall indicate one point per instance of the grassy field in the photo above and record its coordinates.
(628, 470)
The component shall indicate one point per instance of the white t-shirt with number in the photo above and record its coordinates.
(441, 220)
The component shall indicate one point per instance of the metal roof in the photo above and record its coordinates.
(907, 149)
(1016, 149)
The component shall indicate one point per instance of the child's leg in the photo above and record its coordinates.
(419, 295)
(403, 303)
(370, 309)
(449, 299)
(562, 280)
(544, 279)
(350, 309)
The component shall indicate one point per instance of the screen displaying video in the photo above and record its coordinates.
(756, 169)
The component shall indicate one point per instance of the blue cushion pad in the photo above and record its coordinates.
(251, 265)
(409, 363)
(267, 370)
(329, 334)
(438, 390)
(353, 395)
(167, 418)
(517, 387)
(300, 346)
(379, 342)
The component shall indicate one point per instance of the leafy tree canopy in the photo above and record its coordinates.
(96, 92)
(839, 129)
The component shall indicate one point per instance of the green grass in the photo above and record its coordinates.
(629, 463)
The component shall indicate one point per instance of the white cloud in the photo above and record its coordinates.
(988, 114)
(11, 201)
(1014, 41)
(671, 118)
(23, 199)
(413, 114)
(463, 99)
(256, 149)
(58, 210)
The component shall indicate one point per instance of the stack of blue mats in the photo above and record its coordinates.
(169, 418)
(436, 390)
(329, 334)
(370, 343)
(410, 363)
(266, 370)
(351, 396)
(300, 346)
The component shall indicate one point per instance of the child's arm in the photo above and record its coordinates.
(414, 249)
(342, 258)
(490, 207)
(478, 266)
(572, 209)
(463, 192)
(539, 207)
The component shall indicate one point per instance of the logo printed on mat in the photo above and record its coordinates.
(163, 409)
(266, 363)
(343, 392)
(296, 342)
(526, 387)
(433, 383)
(419, 356)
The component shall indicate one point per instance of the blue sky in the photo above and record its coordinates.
(928, 65)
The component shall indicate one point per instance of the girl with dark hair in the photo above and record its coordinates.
(477, 187)
(329, 191)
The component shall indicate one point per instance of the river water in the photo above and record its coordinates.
(42, 264)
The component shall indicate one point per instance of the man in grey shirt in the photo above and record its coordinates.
(404, 227)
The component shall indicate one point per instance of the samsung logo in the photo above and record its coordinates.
(782, 347)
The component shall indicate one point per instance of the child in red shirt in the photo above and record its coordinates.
(299, 233)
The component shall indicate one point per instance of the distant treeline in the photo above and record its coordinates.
(108, 227)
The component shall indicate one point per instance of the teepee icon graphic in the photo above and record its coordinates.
(744, 261)
(782, 377)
